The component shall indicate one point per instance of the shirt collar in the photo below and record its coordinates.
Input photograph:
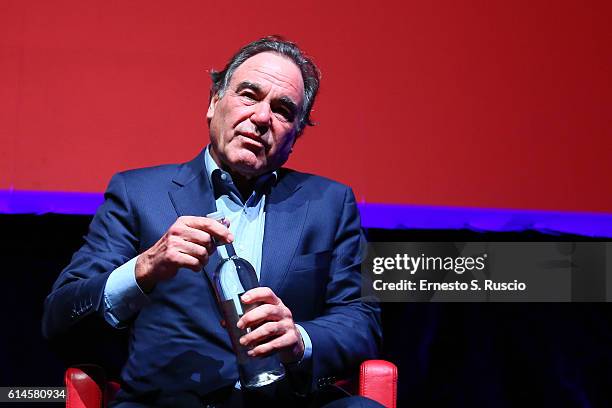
(262, 185)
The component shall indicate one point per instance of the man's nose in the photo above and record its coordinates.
(262, 116)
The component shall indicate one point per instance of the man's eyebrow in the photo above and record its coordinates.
(248, 85)
(289, 104)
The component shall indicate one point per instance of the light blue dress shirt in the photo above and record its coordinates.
(123, 298)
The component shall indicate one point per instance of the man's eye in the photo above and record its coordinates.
(285, 114)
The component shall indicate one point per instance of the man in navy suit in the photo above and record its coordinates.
(148, 259)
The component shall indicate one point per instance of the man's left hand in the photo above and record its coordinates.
(272, 327)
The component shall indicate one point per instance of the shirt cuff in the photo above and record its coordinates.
(123, 298)
(307, 344)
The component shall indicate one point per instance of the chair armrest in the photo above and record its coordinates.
(378, 381)
(84, 386)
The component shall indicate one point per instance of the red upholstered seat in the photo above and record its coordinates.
(87, 386)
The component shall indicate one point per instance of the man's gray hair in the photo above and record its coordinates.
(276, 44)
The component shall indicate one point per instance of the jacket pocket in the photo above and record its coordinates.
(316, 260)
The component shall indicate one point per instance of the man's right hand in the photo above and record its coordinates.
(187, 244)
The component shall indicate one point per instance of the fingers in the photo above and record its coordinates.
(189, 261)
(273, 329)
(263, 313)
(209, 226)
(193, 236)
(264, 332)
(284, 344)
(198, 238)
(271, 308)
(261, 294)
(187, 243)
(175, 247)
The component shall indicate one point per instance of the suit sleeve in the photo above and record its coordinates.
(77, 294)
(349, 331)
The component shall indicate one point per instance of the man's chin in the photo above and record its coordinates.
(247, 164)
(247, 169)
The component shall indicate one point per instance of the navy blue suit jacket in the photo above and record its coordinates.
(311, 257)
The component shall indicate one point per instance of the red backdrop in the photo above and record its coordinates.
(504, 104)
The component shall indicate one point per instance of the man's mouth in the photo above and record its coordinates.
(251, 139)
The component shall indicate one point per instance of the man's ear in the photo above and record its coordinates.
(211, 107)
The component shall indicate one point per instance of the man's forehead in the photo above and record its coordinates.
(268, 68)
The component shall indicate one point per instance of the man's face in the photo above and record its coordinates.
(254, 125)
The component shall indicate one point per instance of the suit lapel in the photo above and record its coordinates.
(194, 197)
(285, 217)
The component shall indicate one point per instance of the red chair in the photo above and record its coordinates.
(87, 387)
